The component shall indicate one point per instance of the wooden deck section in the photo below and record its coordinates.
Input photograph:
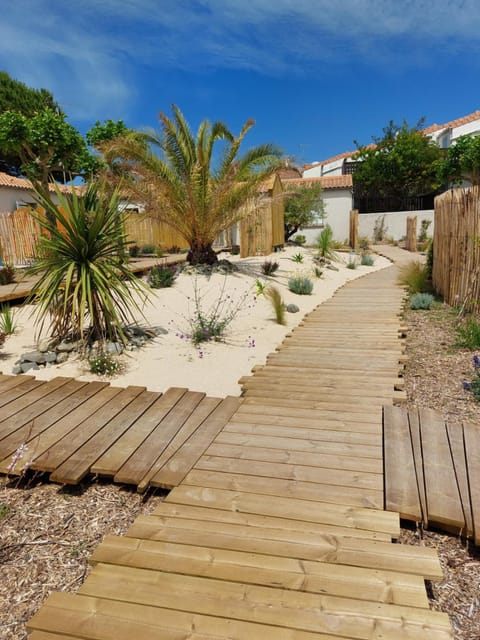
(71, 429)
(432, 470)
(278, 531)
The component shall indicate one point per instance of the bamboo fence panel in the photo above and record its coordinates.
(19, 234)
(411, 242)
(456, 248)
(147, 230)
(262, 227)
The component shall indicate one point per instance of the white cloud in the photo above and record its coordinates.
(85, 51)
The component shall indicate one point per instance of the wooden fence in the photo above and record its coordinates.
(19, 233)
(146, 230)
(262, 228)
(456, 248)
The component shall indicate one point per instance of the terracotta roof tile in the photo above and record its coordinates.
(327, 182)
(13, 182)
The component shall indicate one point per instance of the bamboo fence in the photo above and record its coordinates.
(456, 248)
(147, 230)
(19, 233)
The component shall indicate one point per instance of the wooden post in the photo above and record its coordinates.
(411, 243)
(353, 240)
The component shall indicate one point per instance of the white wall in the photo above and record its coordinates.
(338, 203)
(10, 197)
(395, 223)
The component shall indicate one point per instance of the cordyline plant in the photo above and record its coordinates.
(172, 175)
(85, 288)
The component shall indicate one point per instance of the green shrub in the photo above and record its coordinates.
(351, 264)
(147, 249)
(104, 364)
(317, 272)
(300, 285)
(133, 250)
(468, 334)
(7, 274)
(174, 249)
(421, 301)
(300, 239)
(414, 276)
(325, 243)
(380, 229)
(367, 260)
(161, 277)
(8, 324)
(274, 296)
(235, 250)
(298, 258)
(269, 267)
(159, 252)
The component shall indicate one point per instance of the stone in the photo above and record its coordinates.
(50, 356)
(292, 308)
(17, 369)
(67, 347)
(34, 356)
(332, 267)
(46, 344)
(114, 348)
(62, 357)
(29, 366)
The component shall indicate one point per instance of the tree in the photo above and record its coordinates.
(462, 161)
(47, 147)
(85, 288)
(101, 133)
(182, 188)
(303, 205)
(400, 165)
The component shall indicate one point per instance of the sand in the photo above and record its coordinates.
(171, 360)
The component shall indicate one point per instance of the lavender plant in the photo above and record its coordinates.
(474, 385)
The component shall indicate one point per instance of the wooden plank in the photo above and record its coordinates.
(45, 635)
(70, 431)
(102, 619)
(317, 420)
(332, 493)
(443, 497)
(54, 392)
(401, 490)
(266, 570)
(290, 471)
(118, 454)
(416, 439)
(193, 512)
(457, 449)
(26, 384)
(319, 459)
(251, 603)
(8, 382)
(325, 547)
(78, 464)
(340, 413)
(472, 452)
(54, 424)
(140, 463)
(323, 512)
(170, 471)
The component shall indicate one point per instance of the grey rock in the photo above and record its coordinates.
(67, 347)
(29, 366)
(114, 348)
(50, 356)
(34, 356)
(292, 308)
(62, 357)
(46, 344)
(17, 369)
(332, 267)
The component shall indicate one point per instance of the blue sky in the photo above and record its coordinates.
(314, 74)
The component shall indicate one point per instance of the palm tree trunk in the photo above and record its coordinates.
(201, 254)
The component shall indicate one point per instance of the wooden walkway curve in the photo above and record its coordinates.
(279, 529)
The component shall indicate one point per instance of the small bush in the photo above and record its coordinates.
(317, 272)
(367, 260)
(8, 324)
(133, 250)
(161, 277)
(423, 235)
(269, 267)
(260, 287)
(364, 243)
(7, 274)
(414, 276)
(468, 334)
(174, 249)
(235, 250)
(474, 385)
(298, 258)
(351, 264)
(299, 239)
(421, 301)
(104, 365)
(380, 229)
(159, 252)
(325, 243)
(147, 249)
(300, 285)
(274, 296)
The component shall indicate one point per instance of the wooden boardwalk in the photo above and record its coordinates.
(432, 470)
(279, 529)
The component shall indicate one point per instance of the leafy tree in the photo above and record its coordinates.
(47, 147)
(400, 165)
(101, 133)
(462, 161)
(303, 204)
(85, 288)
(182, 188)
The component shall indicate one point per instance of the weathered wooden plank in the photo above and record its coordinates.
(443, 497)
(472, 450)
(26, 384)
(310, 511)
(415, 435)
(22, 404)
(317, 420)
(79, 463)
(401, 490)
(140, 463)
(118, 454)
(275, 571)
(457, 449)
(171, 472)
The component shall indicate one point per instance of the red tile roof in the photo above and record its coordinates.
(327, 182)
(22, 183)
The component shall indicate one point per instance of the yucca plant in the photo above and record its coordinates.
(8, 323)
(86, 288)
(325, 243)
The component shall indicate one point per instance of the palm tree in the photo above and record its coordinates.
(85, 287)
(179, 184)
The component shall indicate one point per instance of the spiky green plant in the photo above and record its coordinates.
(86, 289)
(274, 296)
(414, 276)
(468, 333)
(8, 324)
(325, 243)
